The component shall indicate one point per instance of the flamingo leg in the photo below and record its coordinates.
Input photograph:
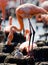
(30, 37)
(32, 54)
(30, 31)
(31, 34)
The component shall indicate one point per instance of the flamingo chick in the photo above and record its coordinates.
(25, 46)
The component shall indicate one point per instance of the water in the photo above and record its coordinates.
(38, 31)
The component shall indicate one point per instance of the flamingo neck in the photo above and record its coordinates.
(10, 22)
(27, 37)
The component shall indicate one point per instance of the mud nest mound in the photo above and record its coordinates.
(24, 61)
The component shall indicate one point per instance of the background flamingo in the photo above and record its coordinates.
(3, 4)
(43, 18)
(7, 28)
(45, 5)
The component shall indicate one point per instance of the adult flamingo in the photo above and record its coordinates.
(27, 11)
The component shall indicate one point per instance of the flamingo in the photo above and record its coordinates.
(25, 46)
(43, 18)
(27, 11)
